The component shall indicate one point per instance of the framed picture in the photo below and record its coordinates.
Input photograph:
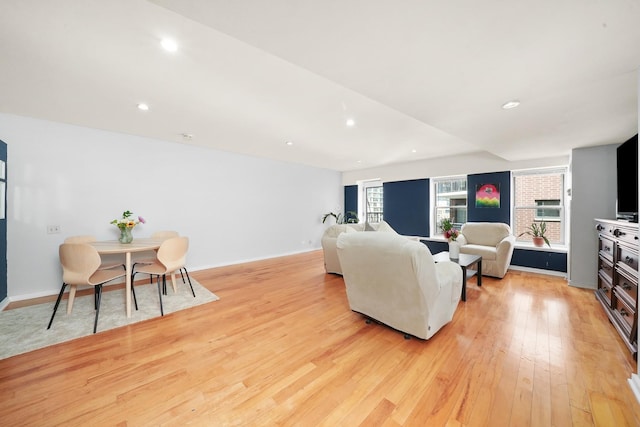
(488, 196)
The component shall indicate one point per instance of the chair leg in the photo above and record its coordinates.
(98, 298)
(160, 296)
(188, 278)
(133, 292)
(55, 307)
(182, 275)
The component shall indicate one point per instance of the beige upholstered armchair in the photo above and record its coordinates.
(395, 281)
(330, 237)
(493, 241)
(328, 241)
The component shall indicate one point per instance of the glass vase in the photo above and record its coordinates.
(454, 250)
(125, 235)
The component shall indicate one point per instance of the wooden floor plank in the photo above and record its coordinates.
(281, 347)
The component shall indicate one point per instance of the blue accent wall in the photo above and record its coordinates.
(350, 198)
(406, 209)
(406, 206)
(501, 214)
(542, 260)
(436, 247)
(555, 261)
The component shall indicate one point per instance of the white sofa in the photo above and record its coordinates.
(395, 281)
(330, 237)
(491, 240)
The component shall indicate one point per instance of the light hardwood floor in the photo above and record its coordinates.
(281, 347)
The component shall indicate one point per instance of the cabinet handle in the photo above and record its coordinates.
(618, 233)
(624, 312)
(626, 286)
(599, 227)
(628, 259)
(607, 249)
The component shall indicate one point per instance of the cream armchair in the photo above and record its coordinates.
(328, 241)
(395, 281)
(493, 241)
(330, 237)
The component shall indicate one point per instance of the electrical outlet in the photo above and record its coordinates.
(53, 229)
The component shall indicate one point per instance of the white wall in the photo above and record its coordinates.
(232, 207)
(593, 195)
(456, 165)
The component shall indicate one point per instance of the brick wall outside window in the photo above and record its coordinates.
(528, 189)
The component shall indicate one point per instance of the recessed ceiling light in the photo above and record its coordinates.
(143, 107)
(351, 122)
(414, 151)
(289, 143)
(169, 45)
(510, 104)
(187, 136)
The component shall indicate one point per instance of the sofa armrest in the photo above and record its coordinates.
(461, 240)
(449, 275)
(506, 245)
(504, 252)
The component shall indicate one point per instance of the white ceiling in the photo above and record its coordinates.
(418, 75)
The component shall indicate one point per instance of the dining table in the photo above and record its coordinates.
(111, 247)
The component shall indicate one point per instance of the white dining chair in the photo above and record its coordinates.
(90, 239)
(81, 267)
(171, 257)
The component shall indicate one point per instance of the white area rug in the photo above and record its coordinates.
(25, 329)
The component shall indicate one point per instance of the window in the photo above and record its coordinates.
(539, 196)
(548, 214)
(374, 211)
(450, 196)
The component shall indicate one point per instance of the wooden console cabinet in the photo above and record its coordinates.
(618, 277)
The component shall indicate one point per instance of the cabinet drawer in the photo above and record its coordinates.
(628, 259)
(606, 229)
(628, 235)
(605, 289)
(623, 312)
(628, 286)
(605, 267)
(606, 248)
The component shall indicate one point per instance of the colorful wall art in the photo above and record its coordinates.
(488, 196)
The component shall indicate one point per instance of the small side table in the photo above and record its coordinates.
(465, 261)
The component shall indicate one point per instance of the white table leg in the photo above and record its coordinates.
(127, 281)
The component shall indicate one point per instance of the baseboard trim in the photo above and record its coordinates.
(34, 295)
(538, 270)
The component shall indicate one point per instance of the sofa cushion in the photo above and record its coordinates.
(357, 227)
(386, 228)
(488, 253)
(336, 229)
(485, 233)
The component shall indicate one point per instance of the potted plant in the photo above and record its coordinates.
(451, 234)
(537, 230)
(350, 218)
